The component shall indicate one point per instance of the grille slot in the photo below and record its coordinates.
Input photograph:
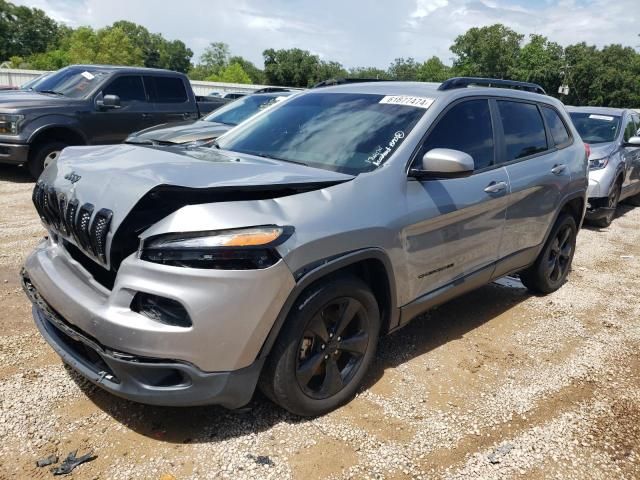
(73, 220)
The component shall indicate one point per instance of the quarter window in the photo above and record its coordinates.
(128, 88)
(524, 132)
(556, 126)
(465, 127)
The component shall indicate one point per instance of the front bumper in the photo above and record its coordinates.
(232, 313)
(13, 153)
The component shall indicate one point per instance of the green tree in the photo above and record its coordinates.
(114, 47)
(486, 52)
(256, 75)
(433, 70)
(232, 73)
(215, 57)
(369, 72)
(404, 69)
(585, 65)
(540, 61)
(25, 31)
(82, 45)
(176, 56)
(327, 70)
(292, 68)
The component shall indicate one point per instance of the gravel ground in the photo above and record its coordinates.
(496, 384)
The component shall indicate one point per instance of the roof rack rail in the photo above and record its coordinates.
(463, 82)
(342, 81)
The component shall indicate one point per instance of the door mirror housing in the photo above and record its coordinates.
(633, 142)
(108, 102)
(442, 163)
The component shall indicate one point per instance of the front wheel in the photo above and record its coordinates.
(552, 266)
(42, 156)
(324, 349)
(612, 204)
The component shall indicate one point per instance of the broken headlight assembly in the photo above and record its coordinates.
(10, 124)
(598, 163)
(237, 249)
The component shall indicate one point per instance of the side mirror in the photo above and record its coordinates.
(632, 142)
(108, 102)
(444, 163)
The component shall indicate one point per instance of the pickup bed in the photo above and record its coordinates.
(92, 105)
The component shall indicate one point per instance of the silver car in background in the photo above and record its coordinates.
(278, 255)
(613, 136)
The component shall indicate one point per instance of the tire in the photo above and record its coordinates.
(42, 155)
(310, 371)
(634, 201)
(550, 270)
(612, 202)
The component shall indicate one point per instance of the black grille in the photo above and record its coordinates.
(73, 220)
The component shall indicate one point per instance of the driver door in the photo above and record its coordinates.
(457, 224)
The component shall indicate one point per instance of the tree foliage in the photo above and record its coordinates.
(608, 76)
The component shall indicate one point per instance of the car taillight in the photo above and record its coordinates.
(587, 149)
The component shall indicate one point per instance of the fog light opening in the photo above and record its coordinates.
(161, 309)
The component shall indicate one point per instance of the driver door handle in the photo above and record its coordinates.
(496, 187)
(558, 169)
(147, 115)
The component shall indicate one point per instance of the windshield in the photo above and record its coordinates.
(237, 112)
(596, 128)
(72, 82)
(349, 133)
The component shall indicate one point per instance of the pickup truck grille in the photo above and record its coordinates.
(72, 220)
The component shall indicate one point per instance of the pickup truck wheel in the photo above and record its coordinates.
(324, 349)
(552, 266)
(42, 156)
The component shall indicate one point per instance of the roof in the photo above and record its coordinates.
(124, 68)
(600, 110)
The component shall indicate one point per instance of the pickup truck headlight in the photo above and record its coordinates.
(238, 249)
(10, 124)
(598, 163)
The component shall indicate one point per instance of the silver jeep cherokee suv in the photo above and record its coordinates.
(186, 276)
(613, 135)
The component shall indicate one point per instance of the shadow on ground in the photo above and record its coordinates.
(212, 424)
(12, 173)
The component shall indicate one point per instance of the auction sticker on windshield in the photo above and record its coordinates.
(409, 101)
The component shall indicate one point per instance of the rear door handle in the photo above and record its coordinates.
(146, 115)
(558, 169)
(496, 187)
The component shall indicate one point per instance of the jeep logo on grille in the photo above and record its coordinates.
(73, 177)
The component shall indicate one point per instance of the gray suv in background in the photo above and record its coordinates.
(278, 255)
(613, 136)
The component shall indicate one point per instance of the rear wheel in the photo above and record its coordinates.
(612, 203)
(325, 348)
(552, 266)
(42, 156)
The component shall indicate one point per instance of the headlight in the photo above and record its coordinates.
(10, 124)
(599, 163)
(240, 249)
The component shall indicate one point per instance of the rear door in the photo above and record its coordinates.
(631, 157)
(456, 224)
(171, 100)
(533, 150)
(135, 112)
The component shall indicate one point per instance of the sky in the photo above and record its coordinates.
(354, 32)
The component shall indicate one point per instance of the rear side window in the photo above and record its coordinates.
(524, 132)
(128, 88)
(557, 127)
(465, 127)
(166, 89)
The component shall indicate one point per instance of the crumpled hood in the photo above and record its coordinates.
(117, 177)
(601, 150)
(182, 132)
(14, 99)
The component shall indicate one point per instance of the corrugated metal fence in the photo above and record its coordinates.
(14, 78)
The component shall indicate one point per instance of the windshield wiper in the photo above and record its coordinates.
(271, 157)
(54, 92)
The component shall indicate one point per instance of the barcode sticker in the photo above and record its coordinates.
(407, 100)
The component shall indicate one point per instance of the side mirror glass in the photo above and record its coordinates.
(444, 163)
(632, 142)
(108, 102)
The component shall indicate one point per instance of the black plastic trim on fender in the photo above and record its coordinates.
(317, 270)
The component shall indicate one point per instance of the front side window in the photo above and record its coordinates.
(129, 88)
(630, 131)
(524, 132)
(466, 127)
(596, 127)
(346, 132)
(557, 127)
